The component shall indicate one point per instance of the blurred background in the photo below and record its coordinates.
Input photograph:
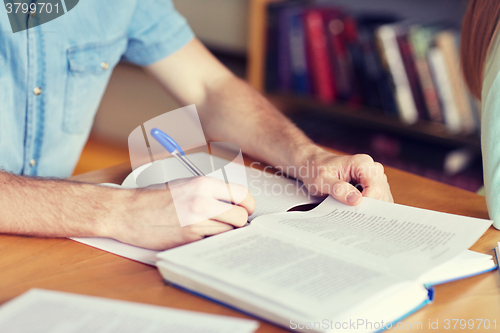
(361, 76)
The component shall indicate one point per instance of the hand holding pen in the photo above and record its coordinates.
(173, 148)
(231, 202)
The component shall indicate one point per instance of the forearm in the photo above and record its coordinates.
(231, 111)
(52, 208)
(235, 112)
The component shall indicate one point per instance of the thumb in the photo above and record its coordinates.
(345, 193)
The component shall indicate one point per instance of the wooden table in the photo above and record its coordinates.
(65, 265)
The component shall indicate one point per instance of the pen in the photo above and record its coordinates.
(173, 148)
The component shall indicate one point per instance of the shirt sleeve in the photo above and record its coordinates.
(490, 145)
(156, 31)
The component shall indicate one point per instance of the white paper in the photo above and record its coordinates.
(121, 249)
(44, 311)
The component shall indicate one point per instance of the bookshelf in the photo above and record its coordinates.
(374, 119)
(426, 131)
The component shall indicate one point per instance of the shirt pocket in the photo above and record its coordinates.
(89, 70)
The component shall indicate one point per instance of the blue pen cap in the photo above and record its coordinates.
(166, 141)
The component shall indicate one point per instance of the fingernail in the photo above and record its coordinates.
(352, 197)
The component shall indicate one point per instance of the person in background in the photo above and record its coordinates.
(480, 53)
(52, 78)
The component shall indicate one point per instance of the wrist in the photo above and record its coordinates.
(111, 211)
(305, 158)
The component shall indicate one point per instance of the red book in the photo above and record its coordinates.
(317, 51)
(338, 52)
(341, 32)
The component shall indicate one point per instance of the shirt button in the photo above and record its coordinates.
(37, 91)
(32, 162)
(104, 65)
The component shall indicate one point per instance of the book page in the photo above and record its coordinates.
(282, 270)
(275, 194)
(380, 234)
(51, 311)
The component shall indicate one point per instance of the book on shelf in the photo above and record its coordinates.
(451, 114)
(317, 54)
(421, 39)
(286, 62)
(335, 29)
(406, 50)
(284, 58)
(375, 83)
(379, 60)
(446, 42)
(387, 36)
(301, 83)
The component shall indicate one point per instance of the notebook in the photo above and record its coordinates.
(273, 194)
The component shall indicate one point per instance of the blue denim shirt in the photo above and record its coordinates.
(53, 76)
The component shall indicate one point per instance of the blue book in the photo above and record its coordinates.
(286, 66)
(301, 83)
(272, 48)
(278, 62)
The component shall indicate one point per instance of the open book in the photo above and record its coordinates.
(334, 264)
(368, 266)
(272, 193)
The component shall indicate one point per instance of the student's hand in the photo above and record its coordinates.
(328, 173)
(149, 218)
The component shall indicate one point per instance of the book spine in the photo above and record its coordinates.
(402, 91)
(375, 71)
(429, 91)
(299, 65)
(368, 69)
(341, 66)
(354, 52)
(319, 61)
(284, 66)
(450, 110)
(411, 72)
(420, 40)
(445, 41)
